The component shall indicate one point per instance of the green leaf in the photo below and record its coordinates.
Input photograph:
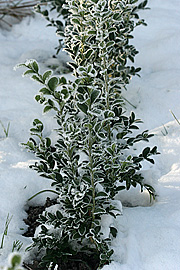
(36, 78)
(72, 65)
(53, 83)
(45, 13)
(137, 159)
(59, 177)
(150, 160)
(88, 53)
(142, 5)
(102, 194)
(76, 21)
(110, 151)
(92, 32)
(119, 188)
(132, 117)
(62, 80)
(154, 150)
(44, 229)
(59, 215)
(37, 122)
(102, 135)
(146, 152)
(65, 93)
(138, 69)
(16, 260)
(45, 91)
(51, 102)
(82, 230)
(35, 66)
(28, 72)
(46, 75)
(99, 210)
(51, 216)
(83, 107)
(113, 231)
(94, 95)
(117, 16)
(112, 29)
(34, 130)
(37, 97)
(48, 142)
(47, 109)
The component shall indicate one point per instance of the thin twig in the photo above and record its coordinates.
(26, 266)
(16, 8)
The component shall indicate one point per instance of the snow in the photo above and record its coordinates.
(148, 233)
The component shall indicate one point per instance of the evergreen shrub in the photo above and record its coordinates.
(92, 159)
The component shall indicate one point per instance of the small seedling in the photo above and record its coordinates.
(17, 245)
(6, 130)
(14, 260)
(8, 220)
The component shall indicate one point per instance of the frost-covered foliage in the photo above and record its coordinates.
(59, 21)
(92, 159)
(124, 19)
(99, 33)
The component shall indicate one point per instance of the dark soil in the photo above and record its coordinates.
(33, 215)
(78, 262)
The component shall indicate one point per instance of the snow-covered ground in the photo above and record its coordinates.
(148, 235)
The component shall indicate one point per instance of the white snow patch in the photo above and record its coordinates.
(148, 234)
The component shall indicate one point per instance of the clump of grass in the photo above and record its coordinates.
(17, 245)
(6, 130)
(16, 8)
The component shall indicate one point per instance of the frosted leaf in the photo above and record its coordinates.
(73, 191)
(29, 62)
(79, 196)
(118, 205)
(18, 66)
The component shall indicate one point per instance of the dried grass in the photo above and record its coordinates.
(16, 8)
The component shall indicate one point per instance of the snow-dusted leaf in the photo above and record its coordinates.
(94, 95)
(28, 72)
(46, 75)
(83, 107)
(101, 194)
(47, 109)
(82, 230)
(99, 210)
(45, 91)
(113, 231)
(110, 44)
(48, 142)
(36, 78)
(53, 83)
(35, 66)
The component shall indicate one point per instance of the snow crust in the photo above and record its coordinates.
(148, 233)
